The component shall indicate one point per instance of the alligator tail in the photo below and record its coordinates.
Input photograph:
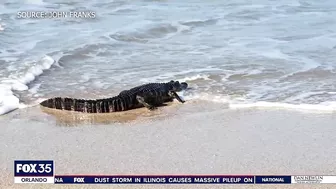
(87, 106)
(64, 104)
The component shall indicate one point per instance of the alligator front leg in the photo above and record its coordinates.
(142, 101)
(173, 94)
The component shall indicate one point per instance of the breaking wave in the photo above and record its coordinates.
(8, 100)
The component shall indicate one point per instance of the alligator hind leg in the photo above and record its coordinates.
(142, 100)
(173, 94)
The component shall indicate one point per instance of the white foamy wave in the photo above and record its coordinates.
(34, 89)
(2, 27)
(242, 103)
(35, 2)
(8, 101)
(323, 107)
(206, 97)
(167, 76)
(37, 70)
(195, 77)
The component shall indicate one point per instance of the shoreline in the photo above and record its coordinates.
(194, 138)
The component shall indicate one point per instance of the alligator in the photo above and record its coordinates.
(148, 95)
(173, 86)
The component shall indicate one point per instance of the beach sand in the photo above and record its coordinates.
(194, 138)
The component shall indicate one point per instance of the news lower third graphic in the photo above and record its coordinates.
(33, 171)
(42, 171)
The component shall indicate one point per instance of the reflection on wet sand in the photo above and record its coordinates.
(69, 118)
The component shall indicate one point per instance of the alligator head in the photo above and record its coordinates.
(177, 86)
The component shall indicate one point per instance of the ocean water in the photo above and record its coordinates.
(260, 53)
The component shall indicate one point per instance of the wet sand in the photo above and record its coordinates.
(193, 138)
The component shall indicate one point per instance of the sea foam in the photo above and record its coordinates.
(242, 103)
(316, 108)
(8, 101)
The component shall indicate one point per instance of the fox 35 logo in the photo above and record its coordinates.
(33, 168)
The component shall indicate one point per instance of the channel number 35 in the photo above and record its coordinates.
(44, 168)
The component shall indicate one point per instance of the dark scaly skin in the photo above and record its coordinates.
(114, 104)
(172, 85)
(148, 95)
(152, 95)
